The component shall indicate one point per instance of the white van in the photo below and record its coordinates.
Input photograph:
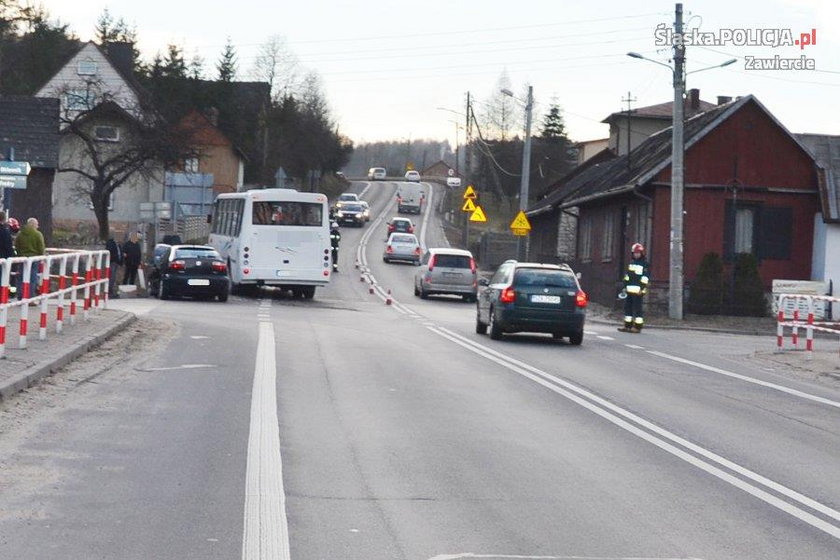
(376, 174)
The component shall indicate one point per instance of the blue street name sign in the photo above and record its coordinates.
(12, 181)
(15, 168)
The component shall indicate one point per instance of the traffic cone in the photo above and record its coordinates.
(388, 298)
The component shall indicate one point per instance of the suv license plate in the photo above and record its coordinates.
(545, 299)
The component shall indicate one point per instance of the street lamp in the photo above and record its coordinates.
(524, 183)
(677, 274)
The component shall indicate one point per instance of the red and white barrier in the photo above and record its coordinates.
(809, 324)
(53, 265)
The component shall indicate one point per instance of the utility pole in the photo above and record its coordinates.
(467, 170)
(629, 100)
(675, 280)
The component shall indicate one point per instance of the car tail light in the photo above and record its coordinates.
(417, 251)
(410, 229)
(219, 267)
(391, 228)
(508, 295)
(581, 299)
(177, 265)
(432, 263)
(389, 249)
(472, 265)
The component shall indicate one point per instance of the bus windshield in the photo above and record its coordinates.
(287, 213)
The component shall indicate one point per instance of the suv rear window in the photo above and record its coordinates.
(452, 261)
(537, 277)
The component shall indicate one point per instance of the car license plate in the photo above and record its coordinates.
(283, 273)
(545, 299)
(198, 282)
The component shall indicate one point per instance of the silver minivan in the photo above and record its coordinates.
(447, 271)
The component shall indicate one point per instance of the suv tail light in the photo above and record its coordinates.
(177, 265)
(432, 263)
(472, 265)
(508, 295)
(219, 266)
(581, 299)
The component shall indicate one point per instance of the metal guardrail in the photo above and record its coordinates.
(66, 267)
(809, 324)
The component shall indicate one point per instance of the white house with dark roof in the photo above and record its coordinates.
(88, 79)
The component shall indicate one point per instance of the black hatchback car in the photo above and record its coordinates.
(532, 297)
(196, 271)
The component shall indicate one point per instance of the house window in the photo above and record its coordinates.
(744, 229)
(608, 237)
(191, 165)
(79, 100)
(106, 133)
(87, 67)
(585, 239)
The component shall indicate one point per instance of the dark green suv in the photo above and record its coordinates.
(532, 297)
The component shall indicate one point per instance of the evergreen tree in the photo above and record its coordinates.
(554, 129)
(196, 67)
(174, 65)
(227, 63)
(748, 292)
(708, 289)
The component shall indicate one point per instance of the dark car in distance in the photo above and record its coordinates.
(195, 271)
(532, 297)
(350, 213)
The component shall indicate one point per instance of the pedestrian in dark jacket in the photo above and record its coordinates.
(7, 248)
(636, 281)
(132, 256)
(116, 262)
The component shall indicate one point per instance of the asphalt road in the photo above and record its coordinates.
(345, 428)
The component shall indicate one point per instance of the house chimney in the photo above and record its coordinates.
(121, 55)
(694, 99)
(212, 115)
(723, 99)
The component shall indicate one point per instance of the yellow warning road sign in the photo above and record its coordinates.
(478, 215)
(470, 192)
(469, 206)
(520, 222)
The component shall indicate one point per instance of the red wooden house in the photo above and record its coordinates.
(749, 187)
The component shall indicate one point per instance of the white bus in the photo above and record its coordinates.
(274, 237)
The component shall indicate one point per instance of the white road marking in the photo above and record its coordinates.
(657, 436)
(734, 375)
(518, 557)
(590, 333)
(266, 530)
(602, 337)
(634, 346)
(183, 366)
(199, 337)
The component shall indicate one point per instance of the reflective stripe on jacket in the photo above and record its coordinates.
(637, 277)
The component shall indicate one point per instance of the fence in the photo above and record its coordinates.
(809, 324)
(56, 276)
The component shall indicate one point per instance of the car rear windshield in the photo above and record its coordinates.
(196, 253)
(547, 278)
(452, 261)
(403, 239)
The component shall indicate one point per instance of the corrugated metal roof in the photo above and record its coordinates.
(826, 151)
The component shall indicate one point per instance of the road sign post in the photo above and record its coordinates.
(470, 196)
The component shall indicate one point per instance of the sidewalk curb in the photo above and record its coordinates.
(606, 321)
(31, 375)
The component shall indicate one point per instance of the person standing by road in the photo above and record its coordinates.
(335, 240)
(7, 248)
(116, 261)
(636, 281)
(30, 243)
(132, 257)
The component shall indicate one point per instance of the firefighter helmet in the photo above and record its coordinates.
(637, 248)
(14, 225)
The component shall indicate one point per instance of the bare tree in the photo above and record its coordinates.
(500, 114)
(277, 65)
(107, 146)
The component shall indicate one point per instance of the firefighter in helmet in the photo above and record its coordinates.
(636, 281)
(335, 240)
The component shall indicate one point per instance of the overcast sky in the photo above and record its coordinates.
(386, 66)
